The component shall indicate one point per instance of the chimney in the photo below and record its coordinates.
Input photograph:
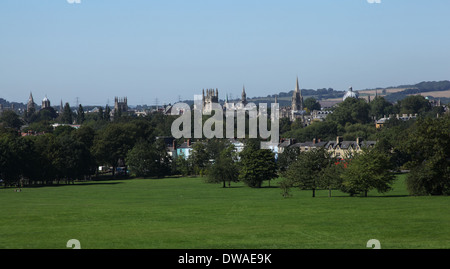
(314, 141)
(357, 140)
(338, 139)
(189, 142)
(174, 144)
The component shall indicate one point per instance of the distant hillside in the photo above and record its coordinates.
(431, 89)
(327, 97)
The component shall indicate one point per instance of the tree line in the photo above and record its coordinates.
(66, 154)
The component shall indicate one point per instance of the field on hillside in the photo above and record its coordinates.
(186, 213)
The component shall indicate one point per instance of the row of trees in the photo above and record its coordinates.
(421, 146)
(67, 154)
(316, 169)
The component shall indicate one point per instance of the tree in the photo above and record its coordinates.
(428, 145)
(256, 165)
(414, 104)
(107, 114)
(330, 176)
(112, 143)
(46, 114)
(287, 157)
(10, 162)
(148, 159)
(306, 170)
(67, 116)
(366, 171)
(199, 158)
(225, 168)
(80, 114)
(380, 107)
(351, 110)
(312, 104)
(72, 159)
(10, 119)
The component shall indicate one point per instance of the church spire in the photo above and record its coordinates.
(30, 105)
(243, 96)
(297, 98)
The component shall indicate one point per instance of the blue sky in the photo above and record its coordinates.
(170, 49)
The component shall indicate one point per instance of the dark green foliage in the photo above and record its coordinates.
(148, 159)
(306, 171)
(286, 158)
(366, 171)
(225, 167)
(428, 145)
(352, 111)
(256, 165)
(67, 115)
(380, 107)
(10, 119)
(311, 104)
(414, 104)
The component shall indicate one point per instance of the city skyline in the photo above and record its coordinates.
(146, 50)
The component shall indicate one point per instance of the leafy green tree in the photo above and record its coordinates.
(112, 143)
(107, 114)
(10, 119)
(380, 107)
(428, 145)
(67, 115)
(414, 104)
(287, 157)
(325, 130)
(311, 104)
(225, 167)
(330, 176)
(352, 111)
(46, 148)
(148, 159)
(10, 160)
(256, 165)
(306, 170)
(199, 158)
(80, 114)
(366, 171)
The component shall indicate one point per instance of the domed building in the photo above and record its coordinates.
(350, 93)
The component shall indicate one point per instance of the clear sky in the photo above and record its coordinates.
(170, 49)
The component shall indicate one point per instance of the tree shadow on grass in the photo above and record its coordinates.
(90, 183)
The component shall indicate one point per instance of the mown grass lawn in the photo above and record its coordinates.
(186, 213)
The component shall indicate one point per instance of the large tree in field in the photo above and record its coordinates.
(148, 159)
(306, 170)
(225, 167)
(256, 165)
(113, 143)
(428, 144)
(366, 171)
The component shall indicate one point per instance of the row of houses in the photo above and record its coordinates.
(338, 148)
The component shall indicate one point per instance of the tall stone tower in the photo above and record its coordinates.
(297, 99)
(121, 104)
(30, 105)
(45, 103)
(212, 96)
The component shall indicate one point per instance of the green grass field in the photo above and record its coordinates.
(186, 213)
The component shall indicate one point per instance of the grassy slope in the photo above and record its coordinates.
(187, 213)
